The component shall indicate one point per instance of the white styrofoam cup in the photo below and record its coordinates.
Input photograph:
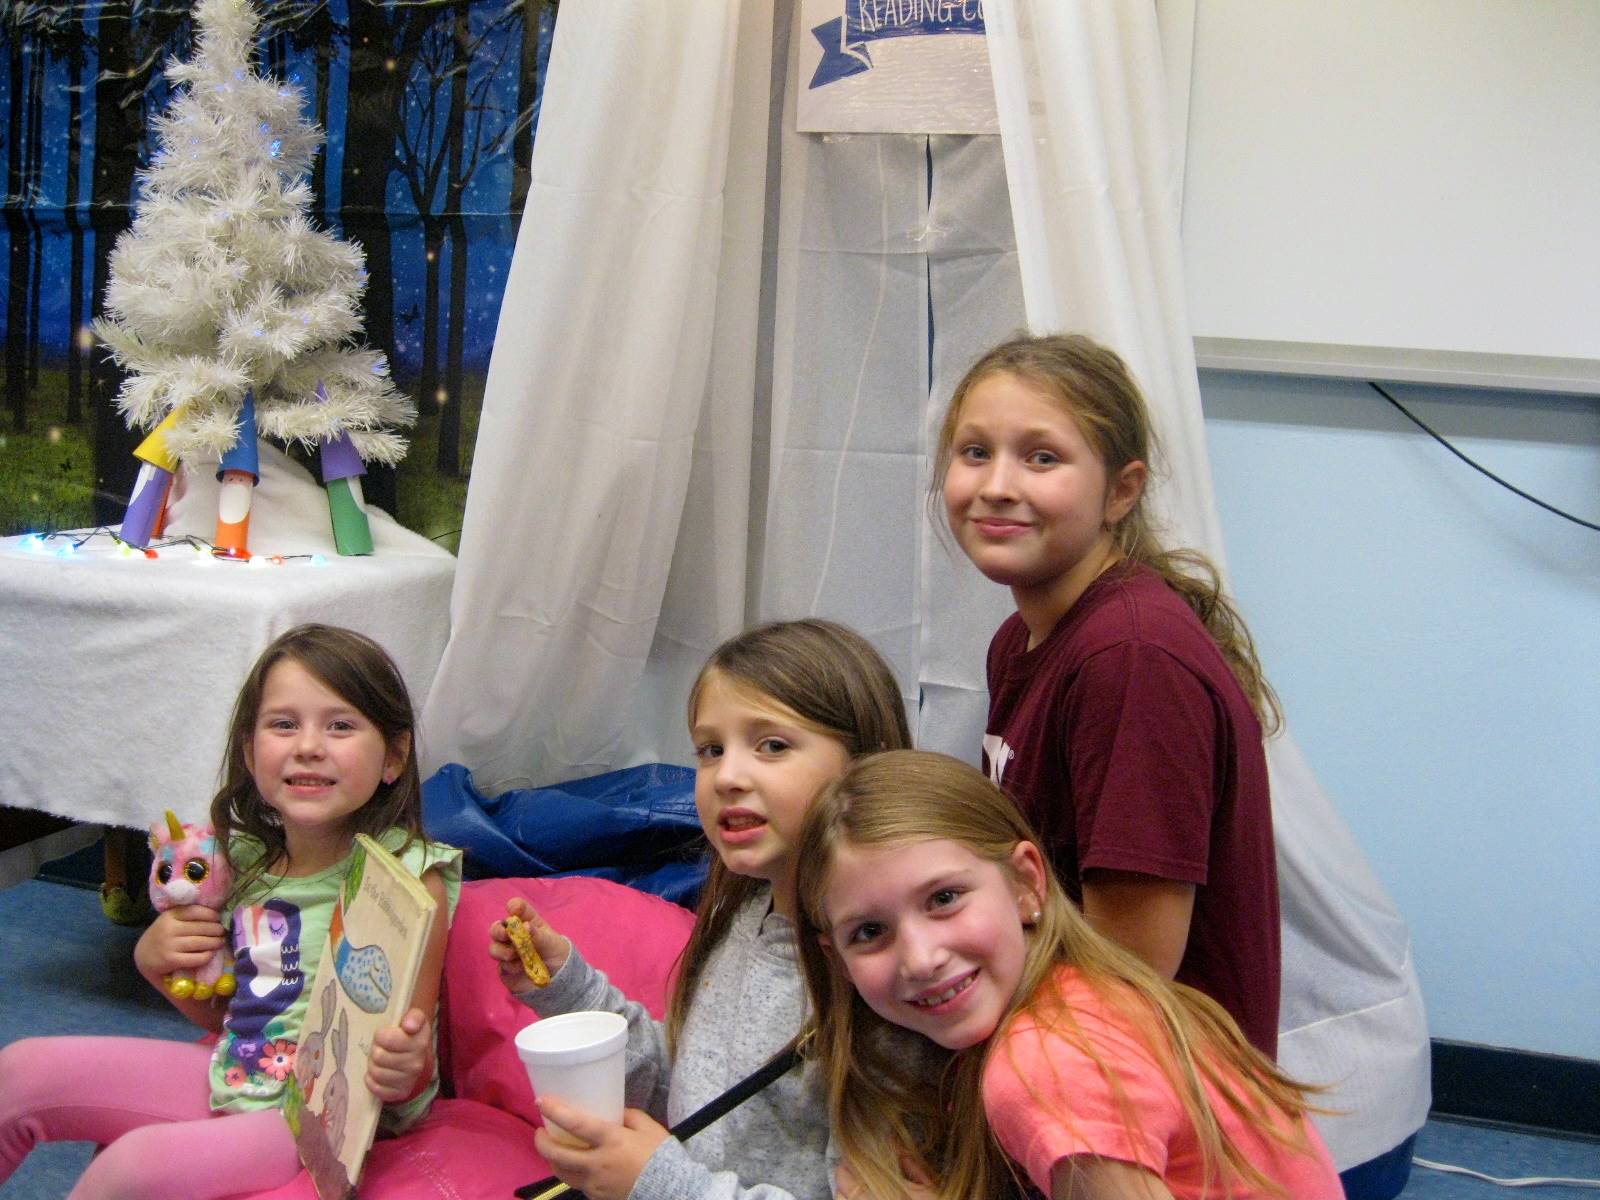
(579, 1058)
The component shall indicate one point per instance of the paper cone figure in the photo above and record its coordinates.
(342, 470)
(239, 472)
(147, 511)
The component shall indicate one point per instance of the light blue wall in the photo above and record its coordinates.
(1436, 643)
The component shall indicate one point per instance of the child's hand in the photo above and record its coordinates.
(609, 1166)
(552, 947)
(180, 939)
(401, 1063)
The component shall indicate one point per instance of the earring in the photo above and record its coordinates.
(388, 778)
(1033, 917)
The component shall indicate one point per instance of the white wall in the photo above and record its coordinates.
(1436, 643)
(1342, 159)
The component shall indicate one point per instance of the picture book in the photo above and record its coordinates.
(364, 982)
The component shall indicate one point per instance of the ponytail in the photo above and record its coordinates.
(1194, 577)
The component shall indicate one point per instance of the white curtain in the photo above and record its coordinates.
(722, 352)
(618, 397)
(843, 447)
(1095, 201)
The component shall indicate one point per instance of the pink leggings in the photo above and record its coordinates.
(148, 1103)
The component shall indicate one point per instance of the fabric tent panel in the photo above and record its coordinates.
(848, 206)
(830, 528)
(849, 381)
(969, 205)
(652, 84)
(606, 334)
(853, 193)
(975, 293)
(705, 595)
(946, 717)
(856, 380)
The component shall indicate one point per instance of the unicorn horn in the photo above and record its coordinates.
(174, 826)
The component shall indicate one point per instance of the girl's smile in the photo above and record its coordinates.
(940, 999)
(315, 758)
(1029, 498)
(931, 935)
(994, 527)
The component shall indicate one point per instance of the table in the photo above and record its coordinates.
(118, 672)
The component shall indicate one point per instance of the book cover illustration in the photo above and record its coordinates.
(364, 982)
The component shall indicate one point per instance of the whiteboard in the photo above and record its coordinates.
(1372, 183)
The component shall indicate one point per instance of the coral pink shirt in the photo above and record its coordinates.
(1047, 1100)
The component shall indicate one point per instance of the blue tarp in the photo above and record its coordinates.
(636, 826)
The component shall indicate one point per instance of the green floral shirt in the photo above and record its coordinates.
(280, 926)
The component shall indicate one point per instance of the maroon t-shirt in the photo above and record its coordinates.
(1128, 743)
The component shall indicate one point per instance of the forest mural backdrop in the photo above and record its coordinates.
(429, 108)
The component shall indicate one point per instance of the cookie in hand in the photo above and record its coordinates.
(522, 943)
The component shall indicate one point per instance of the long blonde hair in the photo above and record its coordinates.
(885, 1108)
(1093, 386)
(830, 677)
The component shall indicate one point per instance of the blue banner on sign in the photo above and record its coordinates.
(844, 39)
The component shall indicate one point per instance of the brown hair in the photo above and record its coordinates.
(830, 677)
(1093, 386)
(884, 1107)
(359, 671)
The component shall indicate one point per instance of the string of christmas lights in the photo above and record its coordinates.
(71, 541)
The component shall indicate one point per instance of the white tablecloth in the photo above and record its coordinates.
(118, 675)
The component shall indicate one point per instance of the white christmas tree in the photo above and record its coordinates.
(223, 286)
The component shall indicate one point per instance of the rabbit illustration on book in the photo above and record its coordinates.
(336, 1096)
(319, 1136)
(308, 1058)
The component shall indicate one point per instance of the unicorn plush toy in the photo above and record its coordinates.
(190, 868)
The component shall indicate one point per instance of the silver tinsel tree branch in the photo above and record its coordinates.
(224, 285)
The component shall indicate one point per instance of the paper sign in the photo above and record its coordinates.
(894, 66)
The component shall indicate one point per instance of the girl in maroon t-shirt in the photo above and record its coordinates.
(1126, 701)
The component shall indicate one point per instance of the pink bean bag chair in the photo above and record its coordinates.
(477, 1140)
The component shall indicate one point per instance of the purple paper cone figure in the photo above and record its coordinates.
(148, 509)
(239, 471)
(342, 470)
